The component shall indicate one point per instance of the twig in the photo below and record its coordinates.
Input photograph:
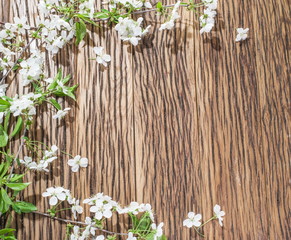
(75, 222)
(142, 11)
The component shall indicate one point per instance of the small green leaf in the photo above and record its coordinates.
(80, 31)
(101, 15)
(17, 186)
(66, 79)
(17, 127)
(3, 137)
(55, 103)
(16, 177)
(159, 5)
(162, 238)
(5, 197)
(6, 121)
(24, 207)
(4, 105)
(6, 230)
(4, 168)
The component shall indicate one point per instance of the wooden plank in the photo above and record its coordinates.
(99, 127)
(273, 71)
(234, 159)
(166, 129)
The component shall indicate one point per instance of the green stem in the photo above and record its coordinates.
(199, 233)
(210, 219)
(63, 209)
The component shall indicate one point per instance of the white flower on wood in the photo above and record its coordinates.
(101, 58)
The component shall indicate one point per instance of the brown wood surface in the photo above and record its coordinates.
(182, 121)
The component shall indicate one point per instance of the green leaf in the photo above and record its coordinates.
(17, 128)
(5, 197)
(4, 168)
(101, 15)
(4, 105)
(80, 31)
(162, 238)
(55, 103)
(6, 121)
(159, 5)
(17, 186)
(150, 236)
(24, 207)
(16, 177)
(66, 79)
(57, 77)
(86, 18)
(6, 230)
(3, 137)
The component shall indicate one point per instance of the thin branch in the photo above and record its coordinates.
(142, 11)
(76, 222)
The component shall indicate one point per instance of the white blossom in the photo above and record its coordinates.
(100, 237)
(21, 24)
(211, 4)
(242, 34)
(131, 237)
(101, 58)
(24, 104)
(61, 113)
(207, 20)
(78, 162)
(75, 235)
(148, 5)
(193, 220)
(32, 68)
(130, 30)
(90, 229)
(55, 194)
(3, 89)
(87, 7)
(174, 15)
(218, 213)
(76, 208)
(102, 205)
(101, 210)
(159, 230)
(27, 161)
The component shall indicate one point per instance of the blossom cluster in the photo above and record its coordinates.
(31, 68)
(57, 194)
(56, 32)
(207, 20)
(24, 105)
(174, 16)
(131, 30)
(11, 41)
(48, 157)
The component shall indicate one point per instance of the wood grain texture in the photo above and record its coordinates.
(182, 121)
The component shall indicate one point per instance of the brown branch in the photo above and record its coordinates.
(76, 222)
